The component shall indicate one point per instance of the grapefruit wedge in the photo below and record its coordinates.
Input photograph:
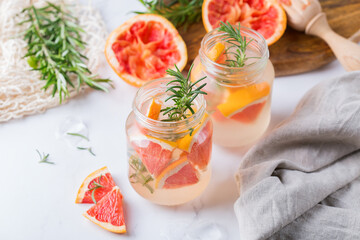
(265, 16)
(154, 153)
(91, 186)
(108, 212)
(144, 47)
(178, 174)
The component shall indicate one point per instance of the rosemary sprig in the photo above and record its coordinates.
(183, 95)
(140, 173)
(54, 42)
(44, 158)
(236, 40)
(78, 135)
(97, 185)
(179, 12)
(88, 149)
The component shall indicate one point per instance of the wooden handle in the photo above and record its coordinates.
(347, 52)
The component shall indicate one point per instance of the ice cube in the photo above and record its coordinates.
(76, 126)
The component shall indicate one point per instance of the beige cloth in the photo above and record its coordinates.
(20, 89)
(303, 180)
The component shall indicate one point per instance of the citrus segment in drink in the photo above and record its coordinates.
(265, 16)
(90, 186)
(154, 154)
(250, 113)
(239, 98)
(185, 143)
(199, 155)
(108, 212)
(143, 47)
(154, 109)
(178, 174)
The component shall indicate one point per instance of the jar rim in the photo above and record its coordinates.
(234, 73)
(154, 87)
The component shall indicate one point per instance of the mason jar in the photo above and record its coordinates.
(168, 160)
(238, 98)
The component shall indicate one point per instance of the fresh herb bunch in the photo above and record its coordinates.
(179, 12)
(236, 40)
(54, 42)
(183, 95)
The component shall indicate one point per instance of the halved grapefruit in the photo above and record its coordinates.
(101, 177)
(108, 212)
(144, 47)
(178, 174)
(265, 16)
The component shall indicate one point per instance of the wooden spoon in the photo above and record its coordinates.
(307, 15)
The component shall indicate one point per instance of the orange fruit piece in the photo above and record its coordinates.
(154, 109)
(214, 54)
(178, 174)
(108, 212)
(265, 16)
(216, 51)
(239, 98)
(144, 47)
(101, 176)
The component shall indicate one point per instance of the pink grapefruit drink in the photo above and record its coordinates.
(168, 161)
(238, 98)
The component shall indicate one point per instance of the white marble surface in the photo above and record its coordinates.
(37, 200)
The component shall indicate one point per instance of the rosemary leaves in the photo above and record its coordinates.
(183, 95)
(54, 45)
(237, 44)
(179, 12)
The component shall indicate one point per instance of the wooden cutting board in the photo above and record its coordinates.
(296, 52)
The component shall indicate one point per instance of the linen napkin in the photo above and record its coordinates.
(302, 181)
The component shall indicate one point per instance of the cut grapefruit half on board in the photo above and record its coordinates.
(90, 186)
(264, 16)
(108, 212)
(144, 47)
(179, 173)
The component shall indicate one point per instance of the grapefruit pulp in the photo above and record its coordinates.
(144, 47)
(264, 16)
(108, 212)
(101, 176)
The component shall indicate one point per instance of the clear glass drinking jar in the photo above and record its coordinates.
(168, 161)
(238, 98)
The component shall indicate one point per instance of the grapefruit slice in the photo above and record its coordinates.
(239, 98)
(265, 16)
(101, 177)
(108, 212)
(178, 174)
(185, 143)
(155, 154)
(200, 153)
(250, 113)
(144, 47)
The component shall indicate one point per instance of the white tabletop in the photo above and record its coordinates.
(37, 200)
